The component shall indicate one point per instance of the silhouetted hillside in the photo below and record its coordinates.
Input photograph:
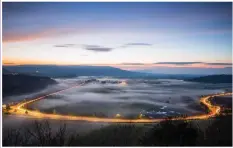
(166, 133)
(70, 71)
(14, 84)
(5, 71)
(213, 79)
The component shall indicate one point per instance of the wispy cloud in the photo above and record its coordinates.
(138, 44)
(178, 63)
(174, 65)
(191, 63)
(132, 64)
(65, 45)
(9, 63)
(135, 44)
(219, 63)
(97, 48)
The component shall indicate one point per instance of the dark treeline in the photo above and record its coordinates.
(167, 133)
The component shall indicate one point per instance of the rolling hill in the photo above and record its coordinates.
(213, 79)
(15, 84)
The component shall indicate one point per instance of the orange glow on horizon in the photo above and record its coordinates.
(30, 62)
(148, 66)
(8, 61)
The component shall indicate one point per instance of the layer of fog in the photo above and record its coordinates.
(139, 96)
(152, 97)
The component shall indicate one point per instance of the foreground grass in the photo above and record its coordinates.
(167, 133)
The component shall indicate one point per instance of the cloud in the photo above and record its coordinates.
(179, 63)
(219, 63)
(9, 63)
(97, 48)
(132, 64)
(65, 45)
(106, 49)
(193, 63)
(138, 44)
(135, 44)
(190, 63)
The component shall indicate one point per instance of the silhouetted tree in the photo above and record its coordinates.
(219, 133)
(171, 133)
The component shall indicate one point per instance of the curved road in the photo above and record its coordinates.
(21, 111)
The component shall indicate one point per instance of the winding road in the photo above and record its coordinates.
(20, 110)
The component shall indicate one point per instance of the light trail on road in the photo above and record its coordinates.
(20, 110)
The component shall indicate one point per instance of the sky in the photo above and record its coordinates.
(126, 35)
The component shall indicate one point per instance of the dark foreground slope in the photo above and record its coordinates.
(213, 79)
(15, 84)
(167, 133)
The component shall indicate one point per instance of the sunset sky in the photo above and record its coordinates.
(124, 35)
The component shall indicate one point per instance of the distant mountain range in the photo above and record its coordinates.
(74, 71)
(70, 71)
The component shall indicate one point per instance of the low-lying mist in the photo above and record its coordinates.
(151, 98)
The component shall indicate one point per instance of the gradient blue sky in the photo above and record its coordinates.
(132, 35)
